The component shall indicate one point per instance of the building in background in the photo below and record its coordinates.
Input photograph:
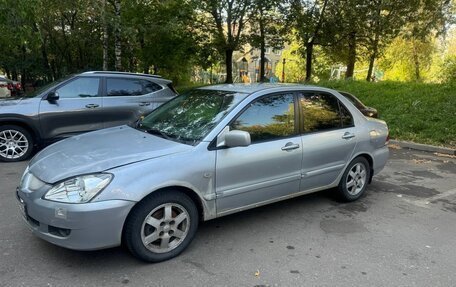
(246, 65)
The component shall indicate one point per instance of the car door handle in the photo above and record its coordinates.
(142, 104)
(290, 146)
(92, 106)
(348, 135)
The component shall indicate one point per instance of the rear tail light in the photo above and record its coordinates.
(387, 139)
(18, 86)
(10, 86)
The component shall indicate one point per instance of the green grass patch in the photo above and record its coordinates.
(418, 112)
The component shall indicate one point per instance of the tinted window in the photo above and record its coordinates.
(150, 87)
(268, 118)
(354, 100)
(320, 112)
(80, 88)
(130, 87)
(346, 117)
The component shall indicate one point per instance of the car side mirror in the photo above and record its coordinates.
(52, 96)
(237, 138)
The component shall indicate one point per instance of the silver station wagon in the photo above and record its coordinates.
(207, 153)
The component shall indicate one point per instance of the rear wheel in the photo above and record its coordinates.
(16, 143)
(354, 180)
(161, 226)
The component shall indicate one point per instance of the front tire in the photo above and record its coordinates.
(161, 226)
(354, 181)
(16, 143)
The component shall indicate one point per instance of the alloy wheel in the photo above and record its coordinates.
(165, 227)
(13, 144)
(356, 178)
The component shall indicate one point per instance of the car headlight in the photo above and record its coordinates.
(80, 189)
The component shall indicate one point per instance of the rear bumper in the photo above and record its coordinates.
(380, 156)
(88, 226)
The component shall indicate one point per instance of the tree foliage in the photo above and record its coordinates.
(45, 40)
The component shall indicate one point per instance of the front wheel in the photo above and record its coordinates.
(354, 180)
(16, 143)
(161, 226)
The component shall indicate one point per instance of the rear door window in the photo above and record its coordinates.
(116, 87)
(322, 111)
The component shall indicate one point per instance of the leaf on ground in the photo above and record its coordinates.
(445, 155)
(421, 161)
(394, 146)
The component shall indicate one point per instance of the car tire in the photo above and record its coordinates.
(161, 226)
(354, 181)
(16, 143)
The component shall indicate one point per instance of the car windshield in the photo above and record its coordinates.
(188, 118)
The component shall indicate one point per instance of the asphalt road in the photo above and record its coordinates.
(402, 233)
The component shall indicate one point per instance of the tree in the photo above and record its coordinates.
(308, 18)
(266, 28)
(227, 28)
(117, 33)
(105, 36)
(385, 20)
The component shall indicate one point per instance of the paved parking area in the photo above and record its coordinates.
(402, 233)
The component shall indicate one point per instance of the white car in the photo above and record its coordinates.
(5, 87)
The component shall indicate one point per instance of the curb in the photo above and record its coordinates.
(424, 147)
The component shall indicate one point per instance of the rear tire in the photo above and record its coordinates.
(354, 181)
(16, 143)
(161, 226)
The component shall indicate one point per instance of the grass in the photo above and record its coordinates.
(417, 112)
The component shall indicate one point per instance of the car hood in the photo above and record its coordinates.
(99, 151)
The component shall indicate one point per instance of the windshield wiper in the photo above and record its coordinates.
(158, 133)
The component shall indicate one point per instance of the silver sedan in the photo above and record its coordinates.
(208, 153)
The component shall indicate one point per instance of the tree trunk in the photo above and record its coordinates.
(262, 60)
(417, 67)
(371, 67)
(117, 37)
(142, 45)
(229, 66)
(105, 37)
(262, 48)
(46, 65)
(416, 62)
(309, 55)
(210, 75)
(351, 56)
(372, 58)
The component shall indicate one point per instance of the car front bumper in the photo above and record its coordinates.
(88, 226)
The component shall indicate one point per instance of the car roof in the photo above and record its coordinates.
(116, 74)
(253, 87)
(121, 73)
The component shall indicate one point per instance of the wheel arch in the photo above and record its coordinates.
(23, 123)
(370, 160)
(185, 190)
